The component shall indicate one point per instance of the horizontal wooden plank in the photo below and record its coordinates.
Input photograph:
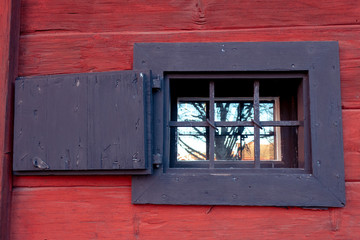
(105, 213)
(74, 53)
(40, 55)
(155, 15)
(351, 136)
(350, 85)
(71, 181)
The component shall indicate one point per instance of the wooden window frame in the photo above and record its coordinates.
(323, 186)
(211, 123)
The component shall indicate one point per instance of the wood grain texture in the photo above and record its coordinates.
(62, 36)
(40, 54)
(81, 122)
(350, 86)
(106, 213)
(90, 52)
(351, 133)
(71, 181)
(5, 19)
(9, 42)
(112, 16)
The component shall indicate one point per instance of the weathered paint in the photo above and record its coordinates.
(62, 36)
(9, 36)
(77, 122)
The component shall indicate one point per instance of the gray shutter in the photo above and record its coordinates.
(96, 121)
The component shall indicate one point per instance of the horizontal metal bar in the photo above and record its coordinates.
(238, 124)
(188, 124)
(262, 123)
(281, 123)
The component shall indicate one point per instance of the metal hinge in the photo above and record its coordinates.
(156, 83)
(157, 160)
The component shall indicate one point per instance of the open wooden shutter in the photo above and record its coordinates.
(77, 122)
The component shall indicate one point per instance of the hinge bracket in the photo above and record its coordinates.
(157, 160)
(156, 83)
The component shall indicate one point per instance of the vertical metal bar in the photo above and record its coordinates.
(211, 119)
(256, 128)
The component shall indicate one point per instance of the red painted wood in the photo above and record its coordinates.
(71, 181)
(9, 36)
(40, 54)
(60, 36)
(350, 86)
(157, 15)
(351, 133)
(5, 14)
(106, 213)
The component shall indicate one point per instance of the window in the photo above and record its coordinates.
(277, 103)
(195, 123)
(237, 120)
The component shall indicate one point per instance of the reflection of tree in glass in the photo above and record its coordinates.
(231, 143)
(192, 143)
(191, 111)
(193, 140)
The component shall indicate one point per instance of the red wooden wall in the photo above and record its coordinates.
(61, 36)
(5, 184)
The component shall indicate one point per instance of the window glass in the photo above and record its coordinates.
(234, 111)
(266, 111)
(191, 111)
(236, 129)
(268, 150)
(191, 143)
(234, 143)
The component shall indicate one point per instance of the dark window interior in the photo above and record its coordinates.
(236, 121)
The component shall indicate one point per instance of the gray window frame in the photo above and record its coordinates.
(323, 186)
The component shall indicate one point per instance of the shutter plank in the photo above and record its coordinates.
(29, 104)
(81, 122)
(117, 121)
(66, 107)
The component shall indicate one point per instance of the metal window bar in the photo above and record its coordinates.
(256, 124)
(212, 124)
(237, 124)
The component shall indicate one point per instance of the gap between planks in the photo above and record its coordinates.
(53, 32)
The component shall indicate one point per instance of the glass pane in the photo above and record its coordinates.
(267, 144)
(191, 143)
(234, 143)
(191, 111)
(281, 146)
(266, 111)
(292, 147)
(233, 111)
